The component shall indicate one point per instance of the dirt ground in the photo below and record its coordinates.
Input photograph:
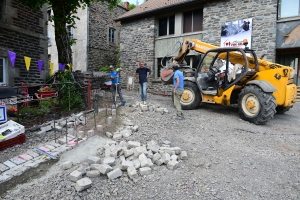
(228, 158)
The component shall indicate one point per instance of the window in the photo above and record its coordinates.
(288, 8)
(112, 35)
(48, 14)
(192, 21)
(70, 31)
(166, 26)
(2, 71)
(49, 37)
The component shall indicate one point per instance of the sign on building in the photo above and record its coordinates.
(3, 115)
(233, 33)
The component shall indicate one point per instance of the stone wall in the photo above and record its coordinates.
(101, 52)
(137, 44)
(23, 31)
(263, 13)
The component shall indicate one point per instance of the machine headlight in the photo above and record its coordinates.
(292, 74)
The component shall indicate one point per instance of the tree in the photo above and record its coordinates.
(131, 6)
(64, 13)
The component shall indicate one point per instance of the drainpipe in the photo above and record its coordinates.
(87, 38)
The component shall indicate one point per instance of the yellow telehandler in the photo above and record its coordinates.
(232, 75)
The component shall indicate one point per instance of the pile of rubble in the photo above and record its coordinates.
(130, 157)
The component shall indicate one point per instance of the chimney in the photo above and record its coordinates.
(126, 5)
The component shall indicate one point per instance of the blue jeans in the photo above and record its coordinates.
(143, 90)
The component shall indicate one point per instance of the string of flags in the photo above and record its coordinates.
(27, 60)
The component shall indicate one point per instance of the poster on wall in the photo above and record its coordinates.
(233, 33)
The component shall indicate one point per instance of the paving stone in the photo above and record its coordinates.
(114, 174)
(145, 171)
(173, 164)
(31, 164)
(3, 168)
(32, 153)
(17, 160)
(132, 144)
(54, 144)
(93, 160)
(83, 184)
(66, 165)
(109, 135)
(99, 128)
(132, 173)
(26, 157)
(117, 136)
(93, 173)
(125, 164)
(109, 160)
(156, 157)
(153, 146)
(91, 133)
(183, 155)
(44, 148)
(104, 168)
(4, 178)
(49, 146)
(139, 150)
(75, 176)
(143, 160)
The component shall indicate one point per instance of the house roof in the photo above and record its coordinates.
(151, 6)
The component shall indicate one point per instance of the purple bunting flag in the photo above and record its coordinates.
(12, 57)
(40, 65)
(61, 66)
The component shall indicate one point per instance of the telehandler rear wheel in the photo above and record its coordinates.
(191, 97)
(255, 105)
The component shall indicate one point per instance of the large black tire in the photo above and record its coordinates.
(191, 97)
(255, 105)
(281, 109)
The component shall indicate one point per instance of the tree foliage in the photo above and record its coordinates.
(64, 13)
(131, 6)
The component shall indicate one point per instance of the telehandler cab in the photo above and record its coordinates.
(230, 76)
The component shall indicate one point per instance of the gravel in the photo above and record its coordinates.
(228, 158)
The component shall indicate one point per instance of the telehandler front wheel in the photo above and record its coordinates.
(255, 105)
(191, 97)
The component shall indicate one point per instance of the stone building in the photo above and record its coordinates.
(97, 38)
(153, 29)
(23, 32)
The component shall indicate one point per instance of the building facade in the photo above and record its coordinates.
(23, 32)
(97, 38)
(152, 31)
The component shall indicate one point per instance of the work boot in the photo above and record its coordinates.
(123, 103)
(180, 117)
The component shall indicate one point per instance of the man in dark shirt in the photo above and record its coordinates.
(142, 74)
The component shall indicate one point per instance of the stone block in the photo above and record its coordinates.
(93, 174)
(109, 160)
(109, 120)
(82, 169)
(114, 174)
(75, 176)
(83, 184)
(17, 160)
(33, 153)
(153, 146)
(90, 133)
(26, 157)
(66, 165)
(165, 158)
(125, 164)
(31, 164)
(159, 162)
(3, 168)
(50, 147)
(128, 152)
(144, 171)
(156, 157)
(183, 155)
(174, 157)
(143, 160)
(113, 112)
(173, 164)
(4, 178)
(93, 160)
(46, 128)
(136, 163)
(126, 133)
(100, 128)
(117, 136)
(104, 168)
(132, 173)
(135, 128)
(133, 144)
(109, 135)
(139, 150)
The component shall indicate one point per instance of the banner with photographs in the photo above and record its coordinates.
(233, 33)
